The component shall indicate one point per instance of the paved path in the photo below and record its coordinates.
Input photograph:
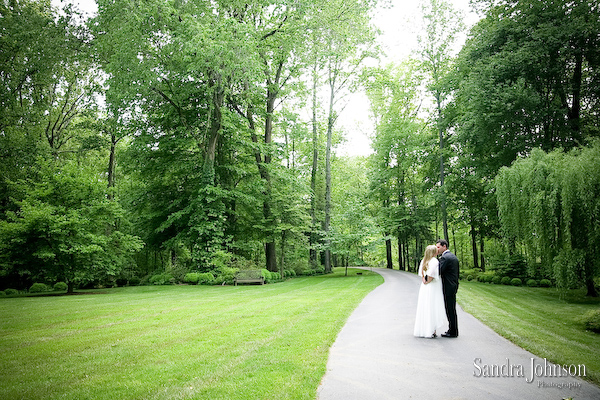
(376, 356)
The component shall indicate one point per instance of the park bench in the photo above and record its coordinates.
(249, 276)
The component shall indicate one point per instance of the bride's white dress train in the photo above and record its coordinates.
(431, 312)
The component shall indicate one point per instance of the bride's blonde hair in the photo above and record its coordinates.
(430, 252)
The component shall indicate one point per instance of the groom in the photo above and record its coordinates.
(449, 274)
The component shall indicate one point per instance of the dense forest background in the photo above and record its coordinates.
(169, 137)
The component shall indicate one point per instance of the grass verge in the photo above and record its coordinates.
(177, 342)
(538, 320)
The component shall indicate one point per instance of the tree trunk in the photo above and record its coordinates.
(400, 263)
(270, 249)
(313, 175)
(574, 112)
(330, 123)
(111, 164)
(215, 125)
(388, 251)
(481, 252)
(282, 258)
(474, 245)
(442, 187)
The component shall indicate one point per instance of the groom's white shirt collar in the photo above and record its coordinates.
(445, 252)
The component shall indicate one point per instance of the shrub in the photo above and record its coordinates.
(206, 278)
(39, 288)
(545, 283)
(532, 283)
(473, 272)
(161, 279)
(289, 273)
(11, 292)
(60, 286)
(514, 266)
(516, 282)
(267, 275)
(496, 280)
(505, 280)
(592, 321)
(2, 293)
(145, 280)
(134, 281)
(224, 275)
(192, 278)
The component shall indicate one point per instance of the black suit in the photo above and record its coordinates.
(449, 272)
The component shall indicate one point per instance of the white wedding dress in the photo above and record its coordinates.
(431, 312)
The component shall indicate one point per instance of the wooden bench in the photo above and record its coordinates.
(249, 276)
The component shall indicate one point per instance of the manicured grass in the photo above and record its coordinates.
(538, 320)
(177, 342)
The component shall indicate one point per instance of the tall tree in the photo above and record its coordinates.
(47, 85)
(528, 79)
(172, 68)
(398, 164)
(349, 40)
(442, 25)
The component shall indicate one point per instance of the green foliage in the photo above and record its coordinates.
(206, 278)
(225, 275)
(473, 272)
(568, 268)
(514, 266)
(11, 292)
(545, 283)
(516, 282)
(39, 288)
(532, 283)
(162, 279)
(399, 185)
(497, 279)
(60, 286)
(515, 72)
(268, 275)
(192, 277)
(64, 228)
(505, 280)
(592, 321)
(486, 278)
(203, 278)
(289, 273)
(547, 202)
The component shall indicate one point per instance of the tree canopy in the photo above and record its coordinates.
(174, 137)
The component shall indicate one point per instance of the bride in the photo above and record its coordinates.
(430, 307)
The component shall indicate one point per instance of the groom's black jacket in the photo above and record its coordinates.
(449, 270)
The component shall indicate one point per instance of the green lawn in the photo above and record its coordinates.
(177, 342)
(538, 320)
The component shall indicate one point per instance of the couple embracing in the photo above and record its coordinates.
(439, 284)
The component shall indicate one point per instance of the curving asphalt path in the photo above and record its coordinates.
(376, 357)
